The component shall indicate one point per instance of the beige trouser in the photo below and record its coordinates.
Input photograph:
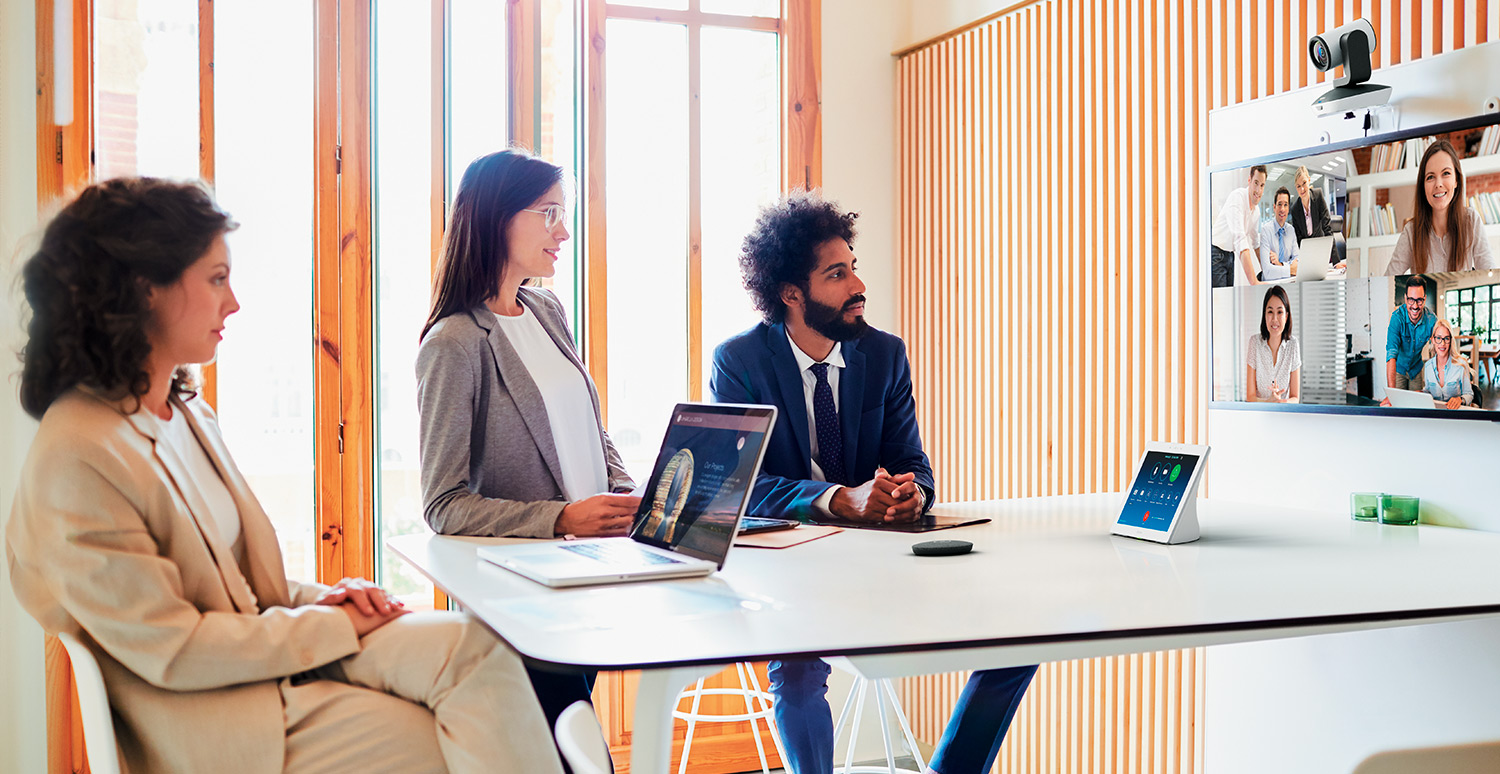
(1416, 383)
(428, 692)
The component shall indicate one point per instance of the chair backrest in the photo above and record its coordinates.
(93, 705)
(1455, 759)
(581, 740)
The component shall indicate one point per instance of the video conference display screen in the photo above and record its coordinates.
(1361, 279)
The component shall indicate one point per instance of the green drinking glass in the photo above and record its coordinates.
(1364, 506)
(1399, 509)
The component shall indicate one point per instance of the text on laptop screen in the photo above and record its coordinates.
(701, 480)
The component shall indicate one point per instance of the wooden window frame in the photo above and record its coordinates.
(343, 262)
(800, 51)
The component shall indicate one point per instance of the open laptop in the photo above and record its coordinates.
(1313, 260)
(690, 507)
(1409, 398)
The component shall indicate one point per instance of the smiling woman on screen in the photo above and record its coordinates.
(1273, 358)
(1445, 234)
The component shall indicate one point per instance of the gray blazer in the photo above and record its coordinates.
(489, 464)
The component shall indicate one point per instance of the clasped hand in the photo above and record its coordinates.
(883, 498)
(368, 606)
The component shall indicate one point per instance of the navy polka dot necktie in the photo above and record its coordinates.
(830, 435)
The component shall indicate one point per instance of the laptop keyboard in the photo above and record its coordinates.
(614, 552)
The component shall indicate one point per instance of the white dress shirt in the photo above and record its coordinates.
(835, 361)
(1286, 250)
(176, 433)
(570, 415)
(1235, 229)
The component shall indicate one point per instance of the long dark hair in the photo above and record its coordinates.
(87, 285)
(493, 189)
(1458, 216)
(1276, 291)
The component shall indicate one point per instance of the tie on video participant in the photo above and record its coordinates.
(1236, 234)
(1445, 233)
(1278, 241)
(844, 393)
(1273, 359)
(1446, 373)
(1408, 331)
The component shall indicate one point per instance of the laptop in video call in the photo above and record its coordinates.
(690, 507)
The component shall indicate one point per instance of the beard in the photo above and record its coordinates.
(829, 320)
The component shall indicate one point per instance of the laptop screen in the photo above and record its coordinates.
(702, 478)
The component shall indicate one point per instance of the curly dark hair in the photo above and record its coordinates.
(781, 248)
(87, 285)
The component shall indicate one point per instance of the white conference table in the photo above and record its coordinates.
(1045, 582)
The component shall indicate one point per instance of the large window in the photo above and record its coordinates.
(338, 156)
(692, 149)
(1475, 311)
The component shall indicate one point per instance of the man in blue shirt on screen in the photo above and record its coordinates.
(1409, 330)
(1278, 241)
(846, 443)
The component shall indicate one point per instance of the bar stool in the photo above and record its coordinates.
(885, 693)
(760, 710)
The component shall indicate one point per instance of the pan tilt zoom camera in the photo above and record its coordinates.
(1349, 46)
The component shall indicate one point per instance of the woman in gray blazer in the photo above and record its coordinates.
(512, 440)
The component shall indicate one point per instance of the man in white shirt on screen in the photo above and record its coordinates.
(1236, 234)
(1278, 241)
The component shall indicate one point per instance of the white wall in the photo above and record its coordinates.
(859, 134)
(1322, 704)
(930, 18)
(23, 730)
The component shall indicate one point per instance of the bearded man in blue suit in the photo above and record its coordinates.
(846, 445)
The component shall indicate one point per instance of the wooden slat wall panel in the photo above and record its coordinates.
(1050, 163)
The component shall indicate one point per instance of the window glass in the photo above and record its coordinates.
(667, 5)
(146, 88)
(476, 83)
(741, 169)
(770, 8)
(265, 179)
(403, 266)
(646, 201)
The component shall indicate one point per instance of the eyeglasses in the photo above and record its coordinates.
(554, 214)
(1416, 301)
(1444, 339)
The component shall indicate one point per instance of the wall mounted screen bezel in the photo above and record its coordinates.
(1185, 505)
(1206, 252)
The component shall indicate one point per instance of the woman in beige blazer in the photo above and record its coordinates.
(512, 441)
(133, 529)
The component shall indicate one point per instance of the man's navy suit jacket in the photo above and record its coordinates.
(876, 412)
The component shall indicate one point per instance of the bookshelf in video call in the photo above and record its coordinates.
(1374, 252)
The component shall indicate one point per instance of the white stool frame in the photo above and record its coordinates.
(750, 689)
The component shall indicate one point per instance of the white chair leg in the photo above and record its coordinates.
(911, 738)
(884, 692)
(758, 704)
(764, 707)
(838, 728)
(885, 726)
(687, 742)
(854, 730)
(739, 668)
